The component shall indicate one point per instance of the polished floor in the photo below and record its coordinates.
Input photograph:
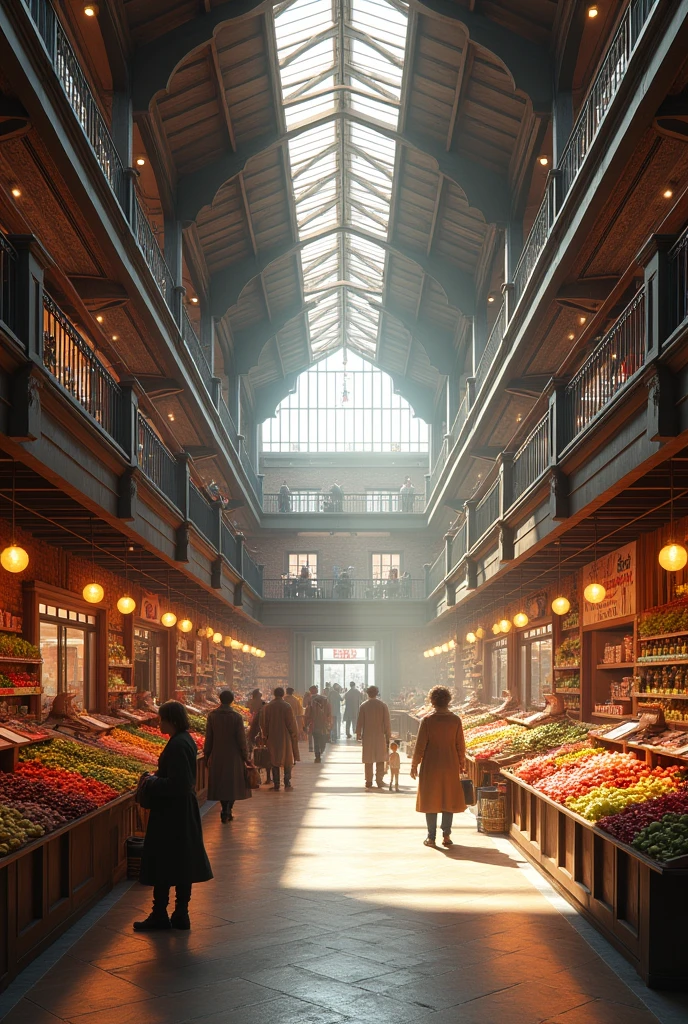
(326, 908)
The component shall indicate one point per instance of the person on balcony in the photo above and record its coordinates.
(336, 498)
(342, 585)
(284, 498)
(374, 728)
(304, 585)
(406, 495)
(393, 587)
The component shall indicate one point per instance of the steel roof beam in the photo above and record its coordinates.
(528, 63)
(485, 190)
(227, 285)
(249, 344)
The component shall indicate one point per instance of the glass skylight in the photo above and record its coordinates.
(341, 68)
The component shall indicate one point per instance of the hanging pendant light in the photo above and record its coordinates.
(560, 605)
(505, 625)
(594, 593)
(126, 604)
(471, 637)
(14, 558)
(217, 638)
(185, 625)
(673, 556)
(480, 632)
(168, 618)
(246, 648)
(520, 618)
(93, 592)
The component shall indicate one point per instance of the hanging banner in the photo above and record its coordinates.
(617, 573)
(150, 608)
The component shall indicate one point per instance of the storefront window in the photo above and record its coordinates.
(344, 665)
(535, 666)
(148, 662)
(68, 654)
(497, 668)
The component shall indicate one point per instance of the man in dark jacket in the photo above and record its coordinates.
(352, 702)
(173, 850)
(319, 723)
(226, 755)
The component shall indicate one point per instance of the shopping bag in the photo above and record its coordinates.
(468, 790)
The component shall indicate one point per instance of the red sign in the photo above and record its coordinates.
(345, 653)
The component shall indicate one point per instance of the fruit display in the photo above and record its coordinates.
(568, 653)
(664, 839)
(126, 749)
(15, 830)
(115, 770)
(602, 801)
(537, 768)
(663, 621)
(12, 646)
(549, 736)
(56, 786)
(626, 825)
(17, 680)
(117, 653)
(197, 723)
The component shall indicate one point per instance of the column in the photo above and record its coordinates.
(173, 258)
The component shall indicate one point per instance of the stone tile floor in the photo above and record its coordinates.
(327, 908)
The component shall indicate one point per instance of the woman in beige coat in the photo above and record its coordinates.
(441, 753)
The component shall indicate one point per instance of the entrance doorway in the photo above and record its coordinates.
(148, 662)
(344, 664)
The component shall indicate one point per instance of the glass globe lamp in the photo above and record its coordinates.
(561, 605)
(520, 619)
(14, 558)
(673, 557)
(168, 619)
(594, 593)
(93, 593)
(185, 625)
(126, 605)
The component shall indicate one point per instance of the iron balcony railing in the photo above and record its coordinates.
(79, 95)
(487, 510)
(494, 343)
(436, 572)
(156, 461)
(619, 355)
(229, 545)
(228, 424)
(593, 112)
(436, 472)
(255, 480)
(459, 544)
(195, 348)
(152, 253)
(532, 458)
(369, 502)
(8, 282)
(536, 241)
(293, 588)
(202, 514)
(79, 372)
(604, 88)
(252, 574)
(678, 258)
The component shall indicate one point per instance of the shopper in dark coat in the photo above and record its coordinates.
(226, 754)
(173, 851)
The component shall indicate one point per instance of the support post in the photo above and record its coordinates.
(505, 464)
(471, 525)
(32, 260)
(654, 258)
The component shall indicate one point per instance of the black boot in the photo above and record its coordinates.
(180, 915)
(157, 920)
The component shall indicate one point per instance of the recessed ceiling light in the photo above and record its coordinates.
(544, 160)
(140, 162)
(100, 318)
(91, 10)
(170, 417)
(16, 192)
(667, 193)
(572, 336)
(519, 418)
(593, 11)
(115, 337)
(194, 299)
(490, 298)
(582, 319)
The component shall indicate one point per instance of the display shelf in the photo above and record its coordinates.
(616, 664)
(566, 668)
(6, 660)
(666, 696)
(122, 689)
(661, 636)
(19, 691)
(120, 664)
(568, 689)
(11, 629)
(606, 716)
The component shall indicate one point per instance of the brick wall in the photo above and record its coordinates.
(416, 548)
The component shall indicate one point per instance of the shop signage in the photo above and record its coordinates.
(150, 608)
(617, 574)
(345, 653)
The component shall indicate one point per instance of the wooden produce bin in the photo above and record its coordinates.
(638, 905)
(48, 885)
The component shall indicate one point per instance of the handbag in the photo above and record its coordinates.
(251, 777)
(140, 796)
(468, 790)
(261, 757)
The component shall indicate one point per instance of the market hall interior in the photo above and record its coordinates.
(343, 343)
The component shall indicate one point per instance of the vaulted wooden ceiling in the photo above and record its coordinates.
(377, 224)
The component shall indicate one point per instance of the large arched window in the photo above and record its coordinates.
(345, 407)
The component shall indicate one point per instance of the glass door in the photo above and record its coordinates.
(148, 662)
(344, 665)
(68, 652)
(535, 667)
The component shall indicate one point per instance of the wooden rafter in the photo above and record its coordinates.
(221, 94)
(462, 80)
